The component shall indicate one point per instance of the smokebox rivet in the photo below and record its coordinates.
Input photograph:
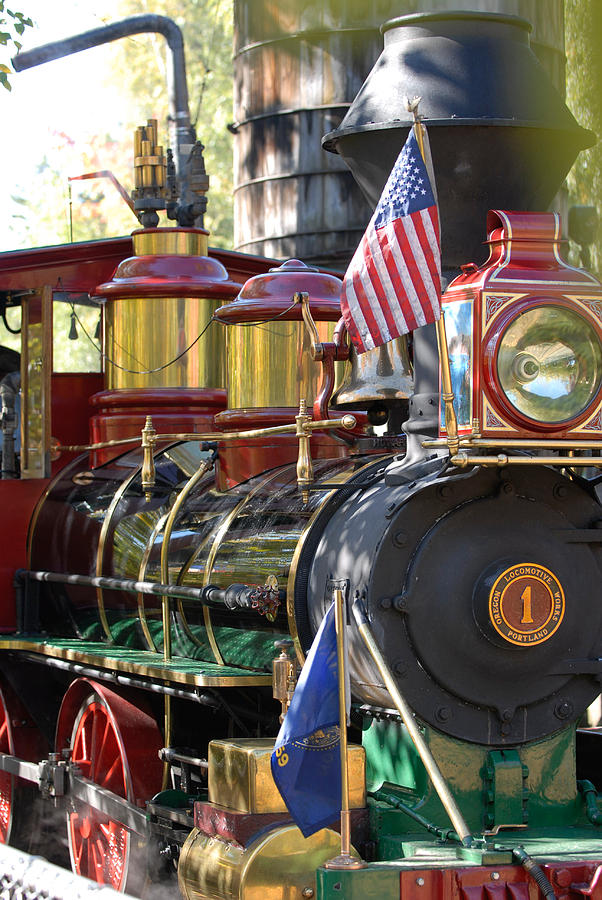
(563, 710)
(400, 539)
(563, 877)
(385, 603)
(443, 714)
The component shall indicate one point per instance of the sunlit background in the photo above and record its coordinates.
(77, 115)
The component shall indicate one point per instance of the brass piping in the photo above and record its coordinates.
(317, 350)
(469, 442)
(149, 440)
(305, 468)
(204, 467)
(345, 860)
(182, 574)
(447, 394)
(462, 460)
(101, 547)
(407, 716)
(348, 422)
(142, 575)
(217, 542)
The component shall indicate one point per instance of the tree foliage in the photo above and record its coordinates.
(140, 67)
(58, 211)
(12, 25)
(583, 31)
(40, 211)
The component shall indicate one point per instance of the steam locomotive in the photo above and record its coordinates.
(161, 588)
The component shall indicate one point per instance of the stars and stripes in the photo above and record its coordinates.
(393, 283)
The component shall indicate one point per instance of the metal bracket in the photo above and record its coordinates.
(58, 777)
(344, 585)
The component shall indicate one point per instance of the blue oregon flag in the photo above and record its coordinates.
(306, 761)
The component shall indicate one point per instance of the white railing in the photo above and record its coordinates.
(25, 877)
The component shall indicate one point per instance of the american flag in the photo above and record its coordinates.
(393, 283)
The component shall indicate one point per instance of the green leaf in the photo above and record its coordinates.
(19, 28)
(4, 81)
(4, 68)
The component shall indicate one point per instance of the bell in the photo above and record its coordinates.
(383, 374)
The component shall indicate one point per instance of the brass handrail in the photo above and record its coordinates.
(469, 442)
(407, 717)
(462, 460)
(348, 422)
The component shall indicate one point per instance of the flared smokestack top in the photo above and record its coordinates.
(500, 134)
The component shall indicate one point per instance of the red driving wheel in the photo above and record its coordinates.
(6, 781)
(18, 799)
(115, 744)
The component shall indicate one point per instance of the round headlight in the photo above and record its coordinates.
(549, 364)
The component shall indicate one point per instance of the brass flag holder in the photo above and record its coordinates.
(345, 860)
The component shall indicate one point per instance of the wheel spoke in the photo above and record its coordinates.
(7, 784)
(116, 769)
(101, 744)
(99, 846)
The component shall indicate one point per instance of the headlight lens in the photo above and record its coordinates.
(549, 364)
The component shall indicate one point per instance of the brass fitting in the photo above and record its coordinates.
(305, 468)
(149, 440)
(150, 168)
(284, 676)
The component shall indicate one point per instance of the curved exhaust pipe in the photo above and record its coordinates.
(181, 131)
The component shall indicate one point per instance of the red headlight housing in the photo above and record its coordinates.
(524, 334)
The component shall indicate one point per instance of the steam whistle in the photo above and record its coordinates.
(150, 174)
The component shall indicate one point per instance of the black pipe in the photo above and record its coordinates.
(535, 871)
(590, 795)
(235, 596)
(444, 834)
(205, 698)
(182, 132)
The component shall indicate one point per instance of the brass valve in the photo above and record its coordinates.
(304, 427)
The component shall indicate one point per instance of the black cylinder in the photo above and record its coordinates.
(500, 134)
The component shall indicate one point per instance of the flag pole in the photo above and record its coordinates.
(345, 860)
(447, 394)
